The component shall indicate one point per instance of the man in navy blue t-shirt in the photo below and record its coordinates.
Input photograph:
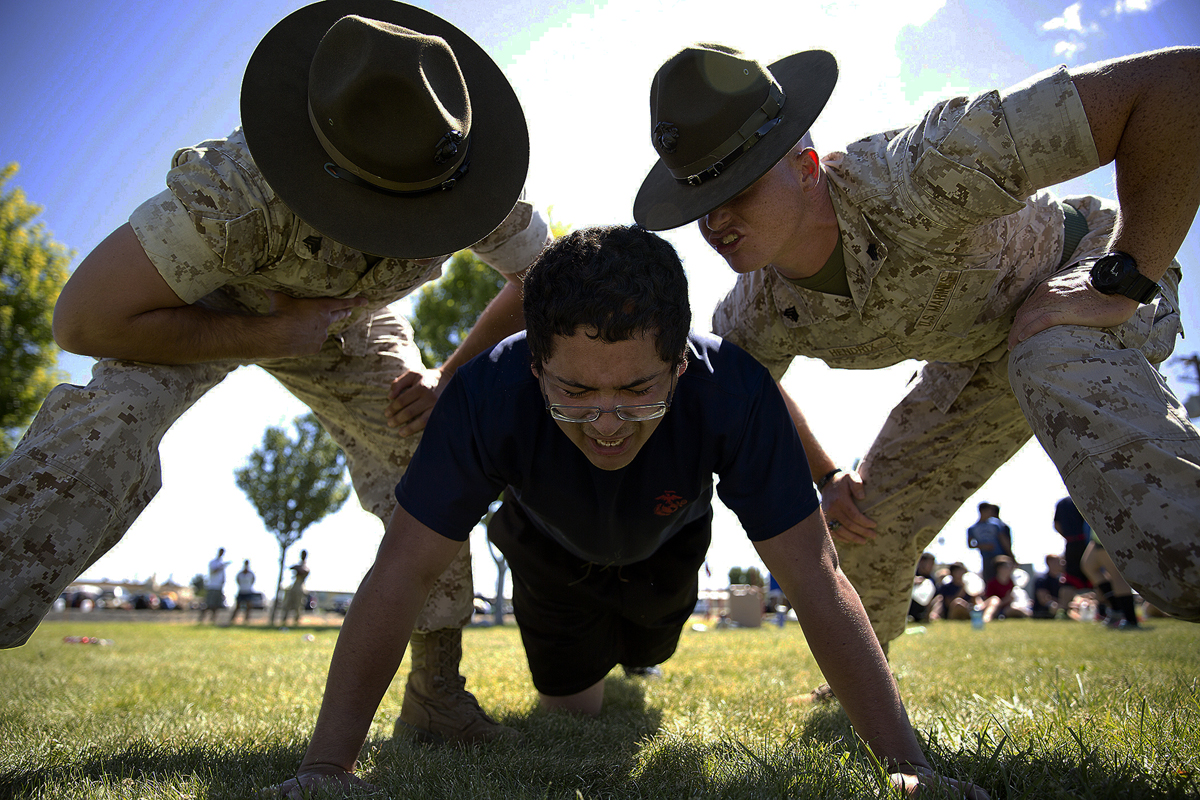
(604, 426)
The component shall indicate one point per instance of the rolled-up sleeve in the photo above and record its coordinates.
(1050, 128)
(513, 246)
(208, 227)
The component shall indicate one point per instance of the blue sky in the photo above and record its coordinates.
(97, 97)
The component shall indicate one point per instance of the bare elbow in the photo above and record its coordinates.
(69, 331)
(74, 325)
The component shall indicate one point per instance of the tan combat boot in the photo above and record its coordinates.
(437, 709)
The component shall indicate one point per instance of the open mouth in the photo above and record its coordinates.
(725, 242)
(609, 442)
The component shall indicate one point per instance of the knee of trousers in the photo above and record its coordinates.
(52, 527)
(104, 439)
(451, 601)
(1126, 451)
(881, 573)
(1085, 395)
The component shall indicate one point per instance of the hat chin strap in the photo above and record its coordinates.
(766, 117)
(347, 170)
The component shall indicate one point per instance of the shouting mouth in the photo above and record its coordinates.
(726, 242)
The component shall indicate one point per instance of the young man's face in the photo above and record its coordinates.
(762, 225)
(588, 372)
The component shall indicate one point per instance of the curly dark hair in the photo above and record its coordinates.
(620, 280)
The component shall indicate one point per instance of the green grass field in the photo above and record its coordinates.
(1027, 709)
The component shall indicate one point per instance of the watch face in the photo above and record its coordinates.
(1107, 272)
(1117, 273)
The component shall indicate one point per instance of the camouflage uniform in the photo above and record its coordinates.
(220, 238)
(944, 235)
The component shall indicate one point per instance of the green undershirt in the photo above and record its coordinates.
(830, 279)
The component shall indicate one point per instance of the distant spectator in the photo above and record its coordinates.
(924, 589)
(1005, 533)
(245, 595)
(296, 598)
(991, 537)
(1048, 588)
(953, 600)
(214, 586)
(1075, 531)
(1117, 594)
(999, 593)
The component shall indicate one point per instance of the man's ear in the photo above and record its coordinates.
(682, 368)
(807, 165)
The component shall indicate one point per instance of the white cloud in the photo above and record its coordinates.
(1067, 50)
(1134, 6)
(1070, 23)
(1071, 20)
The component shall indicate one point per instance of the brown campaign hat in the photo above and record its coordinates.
(719, 121)
(385, 127)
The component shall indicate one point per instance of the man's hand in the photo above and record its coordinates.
(1068, 299)
(839, 502)
(302, 324)
(311, 780)
(913, 778)
(412, 397)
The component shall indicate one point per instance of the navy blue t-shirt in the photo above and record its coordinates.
(490, 432)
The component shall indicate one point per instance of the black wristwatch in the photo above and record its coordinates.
(1117, 273)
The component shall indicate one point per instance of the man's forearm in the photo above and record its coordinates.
(373, 638)
(819, 462)
(1144, 112)
(369, 650)
(503, 317)
(839, 635)
(117, 305)
(841, 640)
(190, 335)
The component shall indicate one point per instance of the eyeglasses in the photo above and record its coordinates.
(629, 413)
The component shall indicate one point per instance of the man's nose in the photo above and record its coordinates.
(608, 423)
(716, 219)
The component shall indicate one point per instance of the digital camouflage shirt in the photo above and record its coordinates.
(220, 237)
(944, 234)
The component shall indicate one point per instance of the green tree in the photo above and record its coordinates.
(754, 577)
(293, 483)
(33, 269)
(446, 309)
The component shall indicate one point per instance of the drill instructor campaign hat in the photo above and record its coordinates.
(719, 121)
(385, 127)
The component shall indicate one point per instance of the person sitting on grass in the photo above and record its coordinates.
(603, 425)
(1047, 588)
(924, 589)
(953, 599)
(999, 594)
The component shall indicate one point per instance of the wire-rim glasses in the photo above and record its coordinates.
(644, 412)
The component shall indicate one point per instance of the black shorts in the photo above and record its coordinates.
(578, 619)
